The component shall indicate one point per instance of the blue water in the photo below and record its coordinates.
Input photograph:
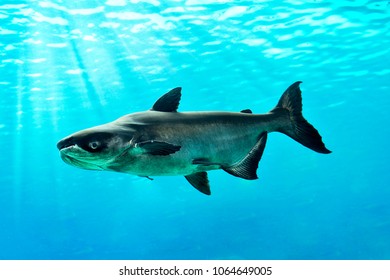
(69, 65)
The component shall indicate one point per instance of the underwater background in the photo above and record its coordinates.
(70, 65)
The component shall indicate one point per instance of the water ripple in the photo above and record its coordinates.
(104, 42)
(85, 11)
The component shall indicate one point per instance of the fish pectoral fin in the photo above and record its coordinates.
(246, 111)
(157, 148)
(147, 177)
(200, 182)
(246, 168)
(169, 102)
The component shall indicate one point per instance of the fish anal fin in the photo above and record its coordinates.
(200, 182)
(157, 148)
(169, 102)
(246, 168)
(246, 111)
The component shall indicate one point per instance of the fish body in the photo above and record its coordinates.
(164, 142)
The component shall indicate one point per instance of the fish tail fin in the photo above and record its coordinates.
(296, 126)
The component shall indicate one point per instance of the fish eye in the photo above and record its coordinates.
(94, 145)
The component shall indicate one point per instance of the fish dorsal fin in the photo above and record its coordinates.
(246, 111)
(169, 102)
(246, 168)
(200, 182)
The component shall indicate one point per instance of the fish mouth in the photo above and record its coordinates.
(68, 150)
(69, 155)
(65, 150)
(71, 160)
(65, 143)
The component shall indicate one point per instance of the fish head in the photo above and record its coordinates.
(95, 148)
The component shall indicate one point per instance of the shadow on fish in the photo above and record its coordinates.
(164, 142)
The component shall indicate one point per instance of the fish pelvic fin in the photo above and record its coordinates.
(297, 127)
(247, 167)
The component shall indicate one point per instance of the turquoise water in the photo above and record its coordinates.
(69, 65)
